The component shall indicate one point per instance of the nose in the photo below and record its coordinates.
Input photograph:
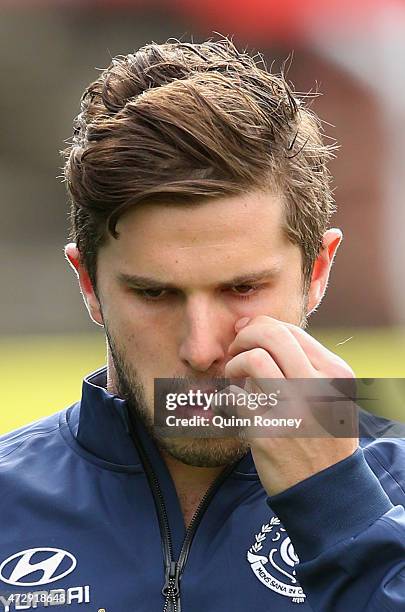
(204, 342)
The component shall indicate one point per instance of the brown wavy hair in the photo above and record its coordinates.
(183, 122)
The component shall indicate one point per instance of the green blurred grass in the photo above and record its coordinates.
(43, 374)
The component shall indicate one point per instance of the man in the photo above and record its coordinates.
(200, 209)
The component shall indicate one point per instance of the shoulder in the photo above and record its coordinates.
(29, 439)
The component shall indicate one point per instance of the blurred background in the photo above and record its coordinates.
(354, 53)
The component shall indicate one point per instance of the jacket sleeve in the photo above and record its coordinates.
(348, 536)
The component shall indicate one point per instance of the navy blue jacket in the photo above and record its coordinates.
(90, 520)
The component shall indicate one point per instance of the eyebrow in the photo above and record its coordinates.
(145, 282)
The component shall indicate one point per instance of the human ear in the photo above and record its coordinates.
(90, 298)
(322, 267)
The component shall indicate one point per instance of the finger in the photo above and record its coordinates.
(318, 355)
(282, 345)
(256, 363)
(321, 358)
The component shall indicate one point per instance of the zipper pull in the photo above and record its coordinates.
(171, 589)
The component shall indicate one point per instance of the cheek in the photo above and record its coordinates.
(279, 302)
(147, 347)
(129, 324)
(143, 333)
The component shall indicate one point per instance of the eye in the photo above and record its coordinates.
(244, 291)
(151, 294)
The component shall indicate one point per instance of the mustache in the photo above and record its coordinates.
(187, 386)
(183, 384)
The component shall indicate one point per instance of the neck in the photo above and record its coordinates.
(191, 483)
(190, 476)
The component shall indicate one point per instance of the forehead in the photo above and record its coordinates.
(205, 238)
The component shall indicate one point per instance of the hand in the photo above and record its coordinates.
(266, 348)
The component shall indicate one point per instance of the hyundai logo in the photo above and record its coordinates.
(37, 566)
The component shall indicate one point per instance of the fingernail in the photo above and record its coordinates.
(241, 323)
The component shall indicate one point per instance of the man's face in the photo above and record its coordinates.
(208, 265)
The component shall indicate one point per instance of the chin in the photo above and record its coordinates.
(204, 452)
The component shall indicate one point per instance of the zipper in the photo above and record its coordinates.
(174, 569)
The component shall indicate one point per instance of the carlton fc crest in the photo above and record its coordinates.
(276, 570)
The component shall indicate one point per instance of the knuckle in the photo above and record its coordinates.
(269, 332)
(257, 357)
(273, 331)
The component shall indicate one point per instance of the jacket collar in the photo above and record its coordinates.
(102, 428)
